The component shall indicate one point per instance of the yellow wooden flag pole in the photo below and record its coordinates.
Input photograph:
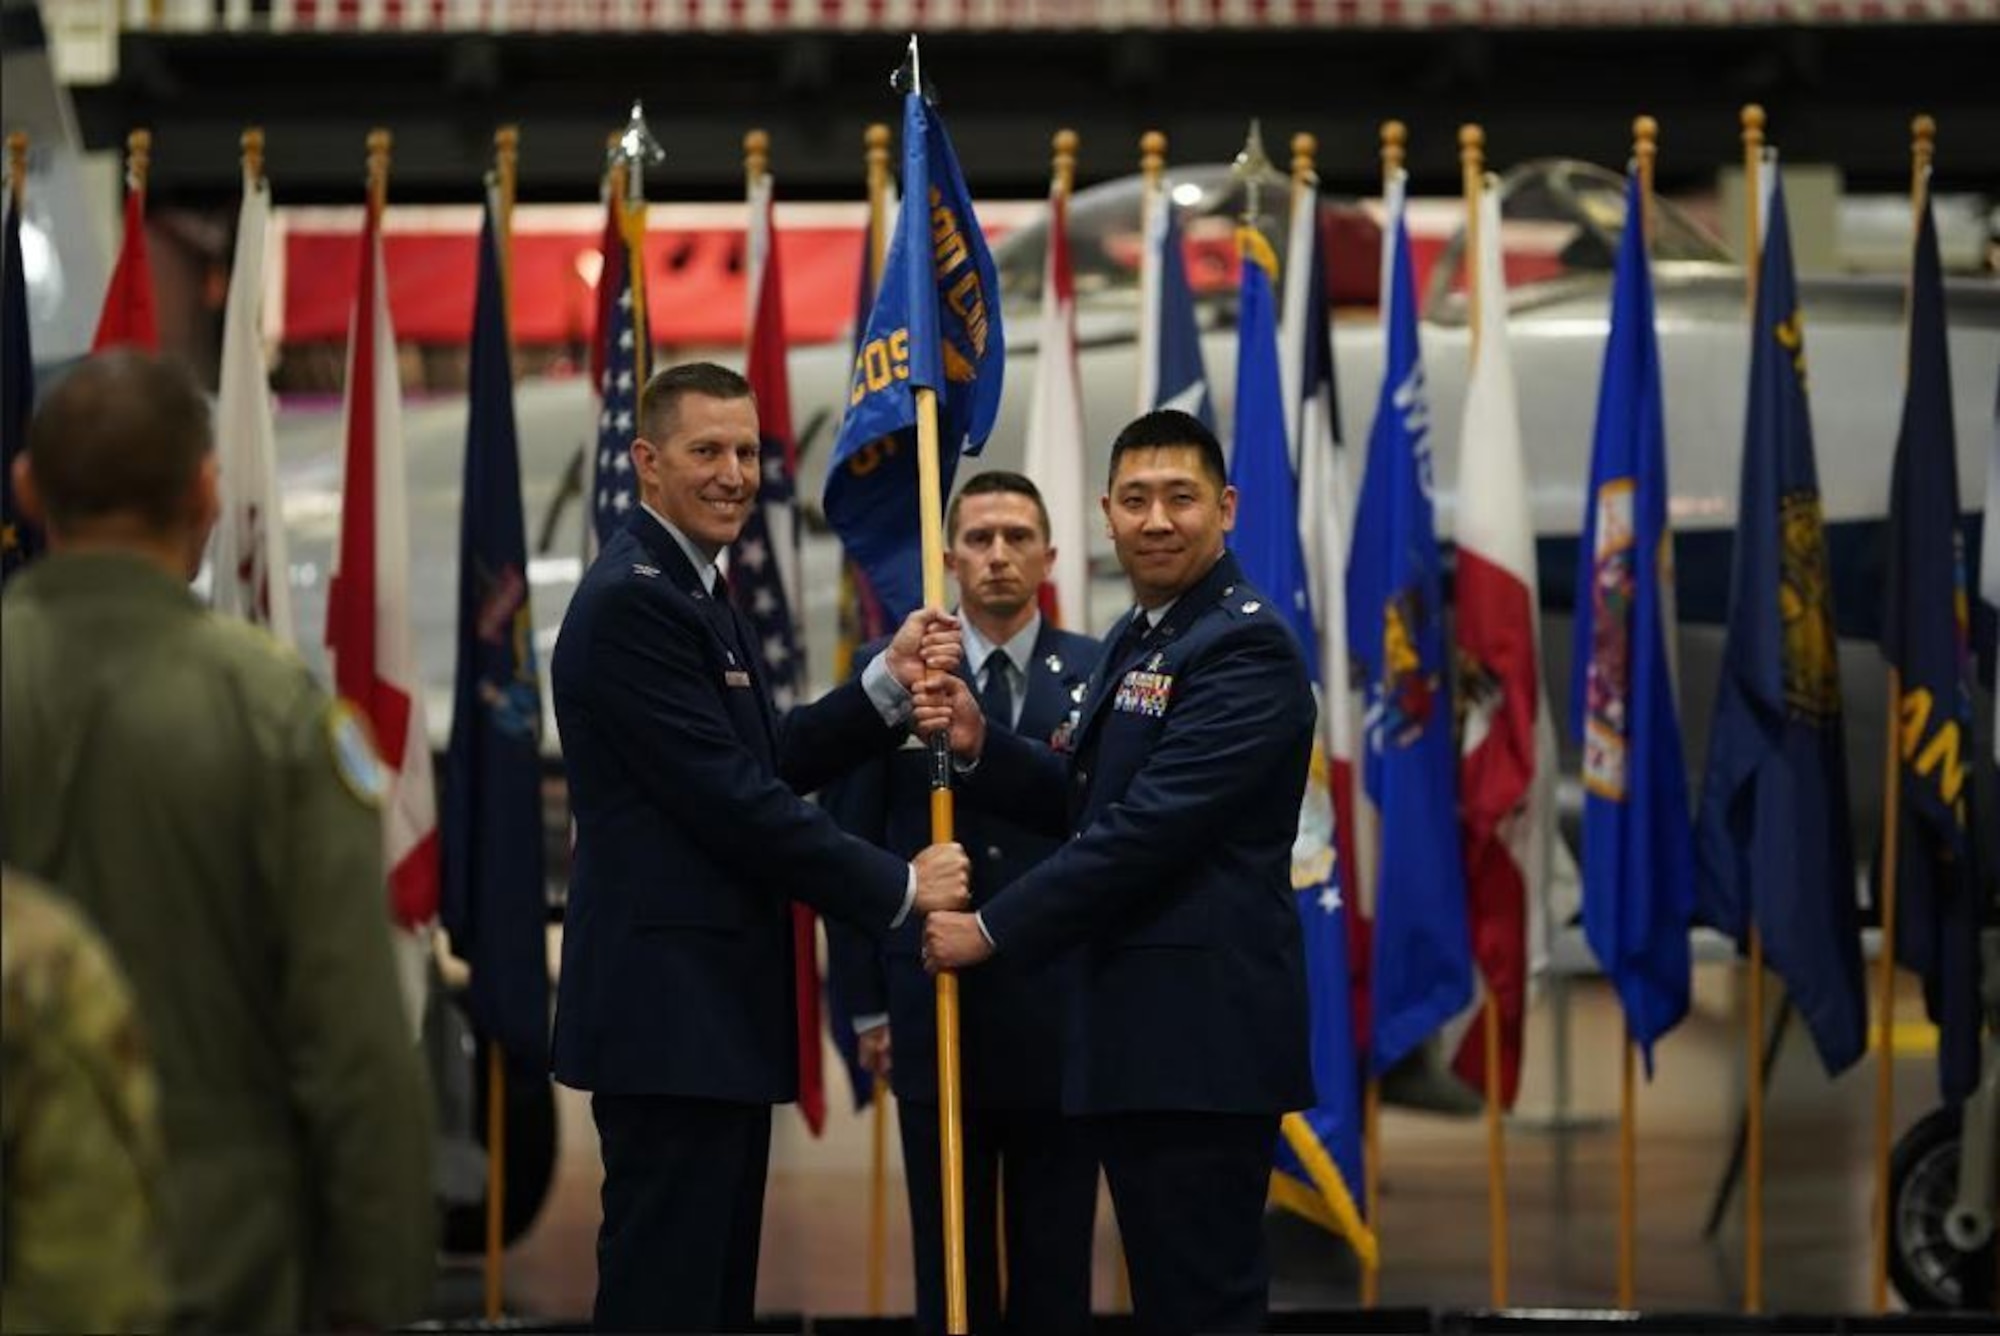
(1645, 149)
(1923, 147)
(1753, 1195)
(1472, 168)
(506, 157)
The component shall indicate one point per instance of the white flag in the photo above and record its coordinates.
(251, 574)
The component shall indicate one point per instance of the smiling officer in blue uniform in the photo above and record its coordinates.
(676, 1003)
(1019, 1148)
(1180, 788)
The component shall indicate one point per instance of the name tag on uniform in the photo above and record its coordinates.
(735, 677)
(1144, 693)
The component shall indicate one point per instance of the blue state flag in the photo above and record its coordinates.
(1266, 542)
(1422, 967)
(1174, 373)
(1926, 636)
(936, 325)
(494, 904)
(1777, 761)
(20, 542)
(1638, 843)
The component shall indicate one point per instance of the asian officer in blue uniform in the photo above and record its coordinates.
(1180, 790)
(675, 1006)
(1019, 1149)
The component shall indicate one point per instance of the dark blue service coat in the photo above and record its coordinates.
(691, 837)
(1181, 790)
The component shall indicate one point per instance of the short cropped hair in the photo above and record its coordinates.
(1164, 428)
(994, 482)
(124, 433)
(665, 389)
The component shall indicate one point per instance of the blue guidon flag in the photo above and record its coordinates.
(936, 325)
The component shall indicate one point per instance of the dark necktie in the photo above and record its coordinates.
(1136, 632)
(729, 621)
(998, 697)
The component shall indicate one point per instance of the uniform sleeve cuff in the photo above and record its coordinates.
(909, 898)
(891, 699)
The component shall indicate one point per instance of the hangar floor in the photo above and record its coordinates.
(1562, 1188)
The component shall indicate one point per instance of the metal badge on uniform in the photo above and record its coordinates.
(355, 758)
(1144, 692)
(735, 677)
(1065, 734)
(1054, 663)
(640, 568)
(1250, 606)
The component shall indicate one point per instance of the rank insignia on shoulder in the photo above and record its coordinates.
(355, 757)
(641, 568)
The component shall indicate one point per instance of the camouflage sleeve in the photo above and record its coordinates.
(83, 1247)
(357, 1080)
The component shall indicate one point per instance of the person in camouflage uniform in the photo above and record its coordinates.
(181, 777)
(81, 1247)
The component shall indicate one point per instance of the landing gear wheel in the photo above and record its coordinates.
(1929, 1271)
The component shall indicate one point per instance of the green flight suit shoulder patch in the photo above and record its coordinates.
(355, 756)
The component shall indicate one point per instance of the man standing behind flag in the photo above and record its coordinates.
(493, 902)
(1028, 1169)
(1777, 758)
(1266, 542)
(936, 325)
(1926, 637)
(1507, 747)
(1180, 785)
(676, 1007)
(252, 575)
(1638, 849)
(1422, 965)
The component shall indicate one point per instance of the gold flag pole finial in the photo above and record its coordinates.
(1305, 148)
(1752, 118)
(1395, 147)
(1062, 166)
(379, 143)
(17, 165)
(138, 159)
(252, 144)
(1923, 150)
(756, 156)
(1152, 158)
(1646, 152)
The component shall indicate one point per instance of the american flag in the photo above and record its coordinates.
(623, 359)
(764, 565)
(757, 583)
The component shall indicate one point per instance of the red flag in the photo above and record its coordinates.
(764, 582)
(128, 319)
(1506, 757)
(368, 633)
